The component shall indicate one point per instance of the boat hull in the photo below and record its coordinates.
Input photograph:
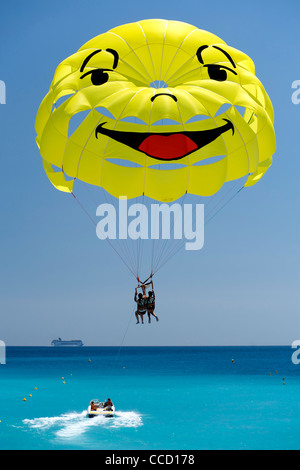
(101, 412)
(58, 343)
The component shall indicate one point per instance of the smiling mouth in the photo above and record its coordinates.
(166, 146)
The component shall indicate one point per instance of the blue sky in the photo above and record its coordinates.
(58, 279)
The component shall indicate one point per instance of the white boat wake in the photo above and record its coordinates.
(70, 425)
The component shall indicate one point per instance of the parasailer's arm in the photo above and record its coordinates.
(153, 289)
(150, 277)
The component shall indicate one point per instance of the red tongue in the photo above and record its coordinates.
(167, 147)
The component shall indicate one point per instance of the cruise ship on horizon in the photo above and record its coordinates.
(74, 342)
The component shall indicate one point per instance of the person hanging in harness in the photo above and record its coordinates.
(141, 306)
(151, 304)
(143, 285)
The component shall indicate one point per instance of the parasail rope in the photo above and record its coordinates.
(120, 347)
(180, 244)
(93, 221)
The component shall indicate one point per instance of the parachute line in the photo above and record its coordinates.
(120, 347)
(94, 222)
(175, 249)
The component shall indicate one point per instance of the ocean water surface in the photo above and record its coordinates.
(187, 398)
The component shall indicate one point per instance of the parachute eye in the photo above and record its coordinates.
(215, 72)
(98, 76)
(218, 72)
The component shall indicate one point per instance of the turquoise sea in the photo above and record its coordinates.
(166, 398)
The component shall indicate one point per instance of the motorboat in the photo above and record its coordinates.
(100, 409)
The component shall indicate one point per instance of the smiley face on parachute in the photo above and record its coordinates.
(156, 92)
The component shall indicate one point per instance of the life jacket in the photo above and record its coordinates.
(151, 302)
(141, 304)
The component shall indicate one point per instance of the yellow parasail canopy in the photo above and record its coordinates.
(159, 108)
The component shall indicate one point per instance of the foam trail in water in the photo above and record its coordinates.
(126, 419)
(73, 424)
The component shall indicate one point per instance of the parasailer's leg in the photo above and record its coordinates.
(141, 314)
(151, 312)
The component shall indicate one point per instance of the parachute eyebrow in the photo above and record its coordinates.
(227, 55)
(84, 63)
(201, 48)
(199, 52)
(116, 57)
(112, 51)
